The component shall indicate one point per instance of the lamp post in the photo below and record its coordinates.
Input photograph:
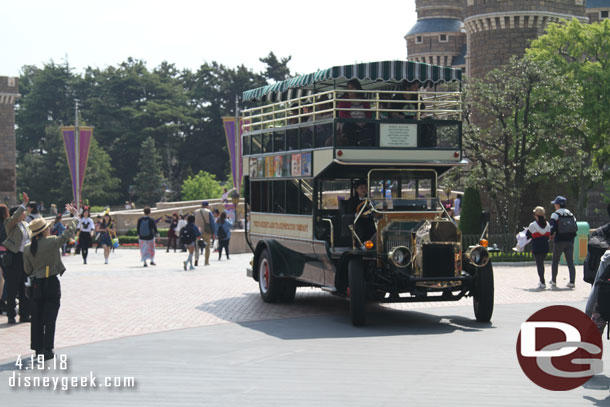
(77, 153)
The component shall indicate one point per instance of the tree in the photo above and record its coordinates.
(47, 100)
(580, 53)
(470, 216)
(277, 70)
(524, 110)
(201, 186)
(149, 181)
(54, 184)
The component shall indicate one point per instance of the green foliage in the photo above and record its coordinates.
(524, 114)
(134, 232)
(470, 215)
(128, 239)
(277, 70)
(149, 181)
(201, 186)
(580, 53)
(96, 209)
(181, 110)
(54, 183)
(507, 257)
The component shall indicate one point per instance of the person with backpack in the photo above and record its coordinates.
(204, 219)
(147, 232)
(223, 233)
(539, 231)
(563, 232)
(188, 237)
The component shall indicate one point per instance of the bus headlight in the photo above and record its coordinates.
(400, 256)
(478, 256)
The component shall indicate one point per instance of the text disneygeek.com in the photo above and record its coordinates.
(65, 383)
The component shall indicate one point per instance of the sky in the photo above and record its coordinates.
(317, 34)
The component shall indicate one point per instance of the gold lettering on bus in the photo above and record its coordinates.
(280, 226)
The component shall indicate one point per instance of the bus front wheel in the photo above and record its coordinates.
(357, 291)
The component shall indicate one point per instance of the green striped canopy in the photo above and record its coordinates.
(368, 74)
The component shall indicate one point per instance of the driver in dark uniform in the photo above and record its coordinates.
(365, 227)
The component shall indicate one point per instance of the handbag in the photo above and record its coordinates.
(115, 242)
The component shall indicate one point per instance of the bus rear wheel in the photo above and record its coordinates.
(269, 286)
(357, 291)
(272, 288)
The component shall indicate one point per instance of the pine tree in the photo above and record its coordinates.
(470, 216)
(149, 181)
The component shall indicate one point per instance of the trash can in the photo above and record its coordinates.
(580, 244)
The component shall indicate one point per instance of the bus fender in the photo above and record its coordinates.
(284, 262)
(277, 260)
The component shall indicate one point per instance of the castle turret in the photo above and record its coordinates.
(438, 36)
(498, 29)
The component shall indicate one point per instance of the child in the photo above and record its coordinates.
(188, 237)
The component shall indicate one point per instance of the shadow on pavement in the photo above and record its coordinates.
(332, 318)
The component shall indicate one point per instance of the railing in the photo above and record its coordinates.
(382, 104)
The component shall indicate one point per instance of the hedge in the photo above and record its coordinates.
(134, 232)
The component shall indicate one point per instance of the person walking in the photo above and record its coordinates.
(539, 231)
(563, 232)
(147, 232)
(42, 262)
(58, 229)
(223, 233)
(188, 237)
(172, 236)
(107, 232)
(204, 219)
(17, 236)
(457, 205)
(85, 227)
(181, 224)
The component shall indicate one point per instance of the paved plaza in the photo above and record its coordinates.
(204, 337)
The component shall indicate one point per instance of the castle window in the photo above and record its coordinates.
(443, 38)
(419, 39)
(603, 14)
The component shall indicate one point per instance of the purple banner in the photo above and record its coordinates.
(234, 148)
(84, 142)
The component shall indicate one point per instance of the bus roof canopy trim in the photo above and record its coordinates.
(367, 73)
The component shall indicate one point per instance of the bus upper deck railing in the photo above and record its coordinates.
(373, 104)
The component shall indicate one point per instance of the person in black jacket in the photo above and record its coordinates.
(563, 242)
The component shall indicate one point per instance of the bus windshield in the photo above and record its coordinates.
(403, 190)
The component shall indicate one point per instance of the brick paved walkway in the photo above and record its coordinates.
(102, 302)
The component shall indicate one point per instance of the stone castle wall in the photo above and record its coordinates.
(9, 91)
(439, 8)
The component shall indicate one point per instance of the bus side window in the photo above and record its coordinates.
(305, 201)
(292, 196)
(279, 196)
(257, 144)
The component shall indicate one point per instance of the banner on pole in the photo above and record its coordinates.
(84, 142)
(233, 136)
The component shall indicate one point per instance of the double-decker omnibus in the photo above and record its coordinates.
(342, 170)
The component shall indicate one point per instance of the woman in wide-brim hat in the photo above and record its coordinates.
(42, 262)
